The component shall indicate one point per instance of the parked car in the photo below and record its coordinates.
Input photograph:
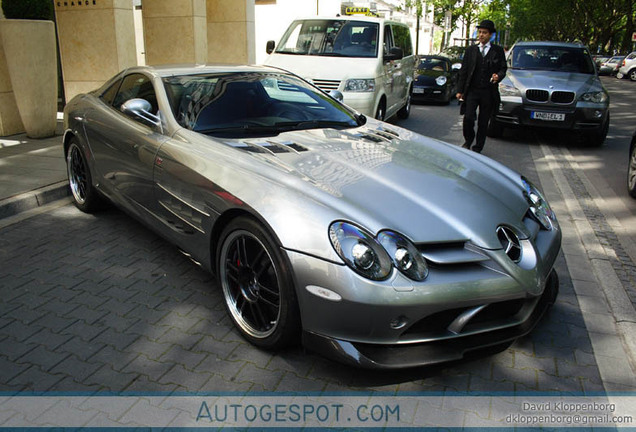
(435, 79)
(628, 67)
(631, 169)
(374, 245)
(369, 60)
(599, 59)
(553, 85)
(610, 67)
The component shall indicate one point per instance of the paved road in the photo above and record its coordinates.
(100, 303)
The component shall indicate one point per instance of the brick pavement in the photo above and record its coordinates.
(98, 303)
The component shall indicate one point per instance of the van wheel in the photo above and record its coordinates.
(381, 111)
(405, 111)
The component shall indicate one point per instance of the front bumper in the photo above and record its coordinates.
(432, 93)
(580, 117)
(485, 300)
(372, 356)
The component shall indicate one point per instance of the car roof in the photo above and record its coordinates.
(550, 43)
(349, 18)
(195, 69)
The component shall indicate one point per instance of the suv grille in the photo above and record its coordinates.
(326, 85)
(535, 95)
(562, 97)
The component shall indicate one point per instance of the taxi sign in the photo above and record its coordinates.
(352, 10)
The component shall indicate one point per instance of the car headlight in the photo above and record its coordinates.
(538, 205)
(360, 251)
(508, 90)
(440, 80)
(360, 85)
(406, 258)
(596, 97)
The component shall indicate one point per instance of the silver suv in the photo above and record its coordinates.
(628, 68)
(553, 85)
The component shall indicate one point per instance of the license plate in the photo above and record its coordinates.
(418, 90)
(547, 116)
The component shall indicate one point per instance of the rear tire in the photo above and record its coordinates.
(632, 74)
(405, 111)
(85, 196)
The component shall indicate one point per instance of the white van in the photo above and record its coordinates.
(369, 60)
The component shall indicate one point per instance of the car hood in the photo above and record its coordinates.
(393, 179)
(424, 76)
(553, 80)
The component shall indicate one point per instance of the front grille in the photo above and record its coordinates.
(562, 97)
(326, 85)
(536, 95)
(494, 314)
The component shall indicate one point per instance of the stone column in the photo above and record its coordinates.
(10, 122)
(231, 34)
(174, 31)
(97, 40)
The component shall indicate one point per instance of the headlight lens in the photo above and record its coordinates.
(406, 258)
(440, 80)
(508, 90)
(538, 205)
(596, 97)
(360, 85)
(360, 251)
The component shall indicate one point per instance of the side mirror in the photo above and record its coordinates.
(337, 95)
(395, 53)
(140, 109)
(270, 46)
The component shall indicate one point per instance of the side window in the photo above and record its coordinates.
(388, 39)
(136, 86)
(109, 95)
(402, 36)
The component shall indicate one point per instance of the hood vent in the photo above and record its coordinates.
(268, 147)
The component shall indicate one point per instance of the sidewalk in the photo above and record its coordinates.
(32, 172)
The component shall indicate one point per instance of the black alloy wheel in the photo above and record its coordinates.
(256, 282)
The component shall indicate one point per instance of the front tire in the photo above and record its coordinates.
(495, 129)
(380, 112)
(257, 285)
(85, 196)
(631, 171)
(597, 137)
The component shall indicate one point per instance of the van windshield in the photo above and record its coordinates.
(337, 38)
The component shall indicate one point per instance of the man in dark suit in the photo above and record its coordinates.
(483, 67)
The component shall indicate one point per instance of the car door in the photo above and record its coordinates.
(124, 147)
(390, 70)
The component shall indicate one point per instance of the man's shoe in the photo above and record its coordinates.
(466, 146)
(477, 150)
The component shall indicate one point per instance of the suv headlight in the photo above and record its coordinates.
(538, 205)
(360, 251)
(596, 97)
(360, 85)
(440, 80)
(508, 90)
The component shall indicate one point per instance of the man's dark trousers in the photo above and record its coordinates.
(482, 98)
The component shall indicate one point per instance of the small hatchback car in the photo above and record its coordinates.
(553, 85)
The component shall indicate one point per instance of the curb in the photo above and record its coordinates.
(33, 199)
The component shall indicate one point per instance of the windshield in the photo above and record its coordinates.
(340, 38)
(253, 104)
(551, 58)
(433, 64)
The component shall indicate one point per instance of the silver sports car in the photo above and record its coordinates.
(372, 244)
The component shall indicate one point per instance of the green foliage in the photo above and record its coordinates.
(28, 9)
